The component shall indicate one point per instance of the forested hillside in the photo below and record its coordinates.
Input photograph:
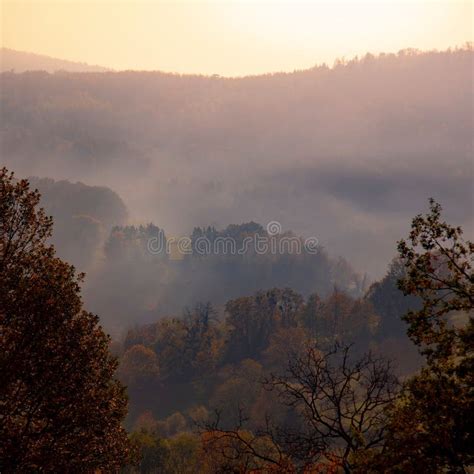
(254, 297)
(131, 284)
(292, 384)
(339, 153)
(238, 238)
(273, 381)
(202, 361)
(83, 216)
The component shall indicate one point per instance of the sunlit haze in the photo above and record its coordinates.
(229, 38)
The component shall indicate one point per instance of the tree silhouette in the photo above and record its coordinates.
(338, 407)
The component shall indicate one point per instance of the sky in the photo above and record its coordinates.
(230, 38)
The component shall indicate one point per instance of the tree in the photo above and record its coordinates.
(338, 408)
(131, 243)
(188, 347)
(180, 454)
(253, 319)
(60, 406)
(345, 320)
(439, 271)
(184, 454)
(432, 423)
(139, 367)
(390, 303)
(284, 343)
(154, 452)
(237, 387)
(203, 344)
(311, 314)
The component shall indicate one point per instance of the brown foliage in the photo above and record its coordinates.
(432, 423)
(338, 407)
(60, 406)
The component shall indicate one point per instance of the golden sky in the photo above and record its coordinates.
(229, 37)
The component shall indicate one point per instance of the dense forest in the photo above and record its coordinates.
(280, 383)
(209, 275)
(82, 217)
(127, 284)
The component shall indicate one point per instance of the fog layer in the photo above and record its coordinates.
(346, 154)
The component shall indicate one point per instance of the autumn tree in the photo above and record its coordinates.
(432, 423)
(139, 367)
(338, 407)
(203, 343)
(439, 271)
(178, 454)
(284, 343)
(345, 320)
(390, 303)
(60, 407)
(253, 319)
(188, 347)
(237, 386)
(311, 314)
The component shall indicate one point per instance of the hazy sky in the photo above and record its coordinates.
(229, 37)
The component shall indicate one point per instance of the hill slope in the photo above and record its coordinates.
(346, 154)
(20, 61)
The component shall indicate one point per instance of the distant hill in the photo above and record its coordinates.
(346, 154)
(82, 216)
(64, 199)
(21, 61)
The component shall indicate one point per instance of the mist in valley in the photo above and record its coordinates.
(345, 154)
(210, 274)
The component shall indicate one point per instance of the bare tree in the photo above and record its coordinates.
(337, 409)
